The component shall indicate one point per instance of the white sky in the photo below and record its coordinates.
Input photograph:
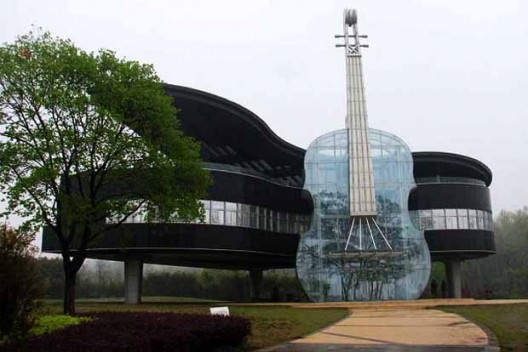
(444, 75)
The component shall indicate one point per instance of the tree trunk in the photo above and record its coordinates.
(71, 266)
(69, 291)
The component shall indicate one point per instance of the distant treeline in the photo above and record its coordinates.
(104, 280)
(504, 274)
(501, 275)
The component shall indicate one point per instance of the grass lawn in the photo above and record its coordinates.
(271, 324)
(509, 322)
(46, 324)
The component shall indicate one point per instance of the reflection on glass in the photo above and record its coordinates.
(217, 212)
(207, 211)
(455, 219)
(242, 215)
(326, 270)
(451, 222)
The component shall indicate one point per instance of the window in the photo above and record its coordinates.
(244, 215)
(254, 216)
(262, 218)
(439, 219)
(230, 214)
(217, 213)
(480, 219)
(472, 219)
(207, 208)
(451, 219)
(236, 214)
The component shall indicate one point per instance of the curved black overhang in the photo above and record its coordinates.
(460, 244)
(231, 134)
(431, 164)
(449, 196)
(240, 188)
(195, 245)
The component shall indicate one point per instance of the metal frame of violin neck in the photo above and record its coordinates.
(362, 196)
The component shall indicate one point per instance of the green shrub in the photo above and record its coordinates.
(20, 284)
(46, 324)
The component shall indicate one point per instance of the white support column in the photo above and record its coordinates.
(454, 278)
(133, 281)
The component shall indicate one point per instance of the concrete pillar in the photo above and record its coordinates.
(454, 278)
(255, 276)
(133, 280)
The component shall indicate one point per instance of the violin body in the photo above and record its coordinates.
(386, 258)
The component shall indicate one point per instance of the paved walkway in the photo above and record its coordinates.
(411, 304)
(397, 326)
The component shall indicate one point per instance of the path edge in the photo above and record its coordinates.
(272, 348)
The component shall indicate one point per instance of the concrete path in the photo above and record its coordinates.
(395, 329)
(410, 304)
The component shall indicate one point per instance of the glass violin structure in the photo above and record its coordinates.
(361, 244)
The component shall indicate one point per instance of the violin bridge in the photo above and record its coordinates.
(368, 227)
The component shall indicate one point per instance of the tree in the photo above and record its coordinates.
(87, 137)
(20, 284)
(504, 274)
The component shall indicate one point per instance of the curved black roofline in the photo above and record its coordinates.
(439, 160)
(237, 110)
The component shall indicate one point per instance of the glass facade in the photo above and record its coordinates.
(452, 219)
(242, 215)
(335, 265)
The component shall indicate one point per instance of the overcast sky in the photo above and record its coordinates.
(444, 75)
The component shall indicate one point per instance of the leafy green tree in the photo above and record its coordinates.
(87, 137)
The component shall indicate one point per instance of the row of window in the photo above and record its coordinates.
(452, 219)
(450, 179)
(245, 215)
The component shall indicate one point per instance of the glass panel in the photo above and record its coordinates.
(207, 208)
(480, 219)
(230, 206)
(217, 212)
(438, 213)
(254, 216)
(236, 214)
(439, 223)
(463, 222)
(451, 212)
(472, 219)
(262, 218)
(244, 214)
(230, 214)
(426, 219)
(462, 212)
(451, 223)
(329, 268)
(271, 220)
(426, 212)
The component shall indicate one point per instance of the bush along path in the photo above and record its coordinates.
(141, 332)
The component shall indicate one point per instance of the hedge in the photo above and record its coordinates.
(141, 332)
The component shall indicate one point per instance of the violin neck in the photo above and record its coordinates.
(361, 179)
